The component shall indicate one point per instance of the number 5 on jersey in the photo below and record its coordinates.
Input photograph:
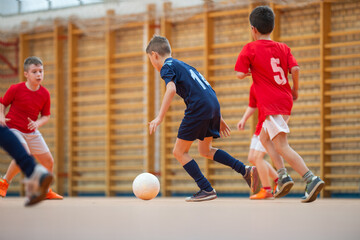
(275, 64)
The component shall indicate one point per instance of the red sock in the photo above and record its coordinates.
(268, 189)
(276, 180)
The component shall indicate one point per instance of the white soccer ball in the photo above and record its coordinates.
(146, 186)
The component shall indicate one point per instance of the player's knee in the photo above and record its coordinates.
(177, 154)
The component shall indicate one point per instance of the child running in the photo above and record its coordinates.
(202, 118)
(257, 151)
(28, 100)
(269, 63)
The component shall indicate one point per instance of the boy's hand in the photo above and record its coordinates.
(153, 124)
(3, 121)
(241, 125)
(224, 129)
(33, 125)
(294, 93)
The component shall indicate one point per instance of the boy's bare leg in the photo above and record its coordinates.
(205, 149)
(46, 160)
(272, 173)
(270, 149)
(262, 168)
(293, 158)
(181, 151)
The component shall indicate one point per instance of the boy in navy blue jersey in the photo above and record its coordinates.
(202, 118)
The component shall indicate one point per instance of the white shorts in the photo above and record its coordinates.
(34, 141)
(256, 144)
(275, 124)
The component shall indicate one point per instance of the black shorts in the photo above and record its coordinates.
(191, 129)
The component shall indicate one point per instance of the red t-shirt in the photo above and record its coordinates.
(253, 104)
(269, 63)
(25, 103)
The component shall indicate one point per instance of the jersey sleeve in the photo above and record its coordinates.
(45, 111)
(8, 98)
(252, 98)
(291, 60)
(167, 73)
(243, 60)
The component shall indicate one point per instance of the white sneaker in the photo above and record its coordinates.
(37, 185)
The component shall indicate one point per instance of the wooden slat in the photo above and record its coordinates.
(223, 55)
(188, 49)
(228, 13)
(89, 178)
(343, 104)
(342, 56)
(342, 116)
(228, 44)
(342, 152)
(126, 167)
(128, 55)
(341, 80)
(304, 48)
(339, 128)
(126, 65)
(88, 169)
(299, 37)
(88, 68)
(344, 33)
(127, 157)
(89, 188)
(88, 128)
(342, 164)
(342, 139)
(127, 85)
(342, 176)
(89, 158)
(127, 75)
(89, 59)
(38, 36)
(340, 69)
(342, 44)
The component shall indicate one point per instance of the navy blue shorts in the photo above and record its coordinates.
(191, 129)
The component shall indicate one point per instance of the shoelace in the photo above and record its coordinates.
(196, 194)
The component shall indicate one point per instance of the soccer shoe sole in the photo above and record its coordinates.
(201, 199)
(284, 190)
(255, 181)
(313, 194)
(45, 184)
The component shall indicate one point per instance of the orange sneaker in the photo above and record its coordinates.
(263, 194)
(4, 185)
(53, 195)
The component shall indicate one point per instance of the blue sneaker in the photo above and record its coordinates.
(312, 189)
(202, 195)
(285, 183)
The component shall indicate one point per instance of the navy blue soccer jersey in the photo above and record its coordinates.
(200, 99)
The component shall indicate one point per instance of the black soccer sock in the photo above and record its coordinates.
(192, 168)
(223, 157)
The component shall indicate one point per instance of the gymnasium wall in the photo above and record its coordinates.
(103, 94)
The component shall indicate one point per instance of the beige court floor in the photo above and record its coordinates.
(173, 218)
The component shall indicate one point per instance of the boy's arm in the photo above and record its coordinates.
(241, 75)
(249, 111)
(168, 96)
(3, 120)
(33, 125)
(295, 77)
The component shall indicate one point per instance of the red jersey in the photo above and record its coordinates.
(269, 63)
(253, 104)
(25, 103)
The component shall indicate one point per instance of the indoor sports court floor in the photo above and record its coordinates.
(173, 218)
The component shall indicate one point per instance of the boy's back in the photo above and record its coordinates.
(199, 97)
(269, 63)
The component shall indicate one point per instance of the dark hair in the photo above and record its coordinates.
(32, 60)
(160, 45)
(263, 19)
